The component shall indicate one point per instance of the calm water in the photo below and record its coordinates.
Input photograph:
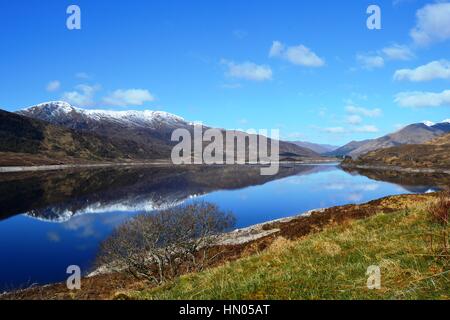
(51, 220)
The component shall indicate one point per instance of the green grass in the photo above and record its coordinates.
(331, 264)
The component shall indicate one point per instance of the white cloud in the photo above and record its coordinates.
(364, 112)
(354, 119)
(377, 59)
(53, 86)
(128, 97)
(427, 72)
(248, 71)
(433, 24)
(397, 52)
(359, 129)
(335, 130)
(83, 96)
(421, 99)
(276, 50)
(298, 55)
(370, 62)
(366, 129)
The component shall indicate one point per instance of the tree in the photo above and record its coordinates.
(160, 246)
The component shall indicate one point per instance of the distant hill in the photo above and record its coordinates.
(434, 154)
(25, 141)
(417, 133)
(56, 132)
(316, 147)
(346, 149)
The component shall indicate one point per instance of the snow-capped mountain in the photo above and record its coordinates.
(144, 134)
(147, 131)
(60, 112)
(431, 123)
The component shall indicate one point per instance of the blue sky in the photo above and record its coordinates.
(310, 68)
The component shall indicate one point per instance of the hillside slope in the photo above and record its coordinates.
(25, 141)
(417, 133)
(434, 154)
(347, 149)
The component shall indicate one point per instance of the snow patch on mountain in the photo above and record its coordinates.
(429, 123)
(144, 118)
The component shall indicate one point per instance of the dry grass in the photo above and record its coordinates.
(439, 210)
(280, 244)
(331, 264)
(327, 248)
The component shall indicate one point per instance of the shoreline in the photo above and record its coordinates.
(9, 169)
(258, 231)
(394, 168)
(75, 166)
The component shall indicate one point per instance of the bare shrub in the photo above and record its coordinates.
(163, 245)
(439, 211)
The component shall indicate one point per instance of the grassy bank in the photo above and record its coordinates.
(332, 264)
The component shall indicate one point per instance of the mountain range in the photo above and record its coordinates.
(316, 147)
(56, 132)
(417, 133)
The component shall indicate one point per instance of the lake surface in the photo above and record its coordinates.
(50, 220)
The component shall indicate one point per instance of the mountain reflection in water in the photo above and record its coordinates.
(58, 196)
